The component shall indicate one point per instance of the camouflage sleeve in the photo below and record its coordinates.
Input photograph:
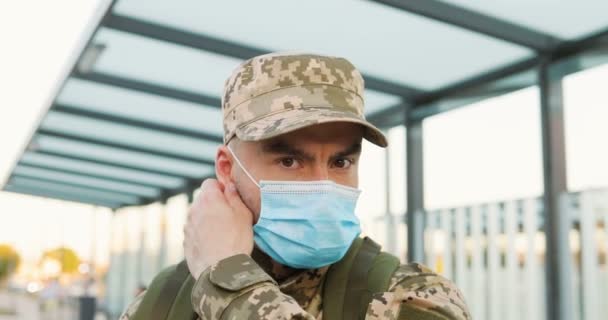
(130, 311)
(415, 292)
(237, 288)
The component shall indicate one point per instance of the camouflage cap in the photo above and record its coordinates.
(277, 93)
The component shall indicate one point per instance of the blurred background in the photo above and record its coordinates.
(496, 114)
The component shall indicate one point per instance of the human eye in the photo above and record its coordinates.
(289, 163)
(343, 163)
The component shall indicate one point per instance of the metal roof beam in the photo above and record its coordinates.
(97, 115)
(124, 146)
(478, 80)
(187, 188)
(146, 87)
(92, 161)
(89, 175)
(227, 48)
(477, 22)
(390, 116)
(563, 51)
(59, 196)
(83, 187)
(113, 164)
(86, 181)
(52, 186)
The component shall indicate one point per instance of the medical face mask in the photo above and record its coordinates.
(305, 224)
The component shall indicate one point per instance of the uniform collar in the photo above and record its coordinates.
(304, 285)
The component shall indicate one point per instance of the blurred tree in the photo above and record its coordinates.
(66, 258)
(9, 261)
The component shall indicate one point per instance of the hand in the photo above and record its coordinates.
(219, 226)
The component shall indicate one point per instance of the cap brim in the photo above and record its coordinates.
(292, 120)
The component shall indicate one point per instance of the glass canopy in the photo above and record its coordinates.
(138, 118)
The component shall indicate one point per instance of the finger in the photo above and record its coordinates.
(208, 191)
(210, 187)
(221, 186)
(235, 201)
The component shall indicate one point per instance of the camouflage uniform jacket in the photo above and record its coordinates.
(244, 287)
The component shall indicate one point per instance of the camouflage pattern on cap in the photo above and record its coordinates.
(277, 93)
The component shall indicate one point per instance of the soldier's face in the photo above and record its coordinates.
(327, 151)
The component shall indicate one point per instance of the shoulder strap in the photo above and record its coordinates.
(334, 288)
(162, 293)
(351, 282)
(358, 295)
(182, 306)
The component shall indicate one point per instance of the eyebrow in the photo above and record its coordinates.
(354, 149)
(280, 147)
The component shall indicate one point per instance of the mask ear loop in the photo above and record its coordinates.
(242, 167)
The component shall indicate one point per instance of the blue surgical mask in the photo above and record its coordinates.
(305, 224)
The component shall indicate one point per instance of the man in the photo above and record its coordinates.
(271, 238)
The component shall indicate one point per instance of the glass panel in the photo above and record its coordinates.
(131, 136)
(101, 237)
(120, 156)
(480, 141)
(397, 163)
(100, 169)
(163, 63)
(371, 206)
(125, 270)
(377, 101)
(115, 288)
(381, 41)
(585, 113)
(130, 104)
(381, 190)
(177, 211)
(85, 181)
(564, 19)
(69, 190)
(152, 241)
(493, 89)
(481, 164)
(585, 116)
(133, 238)
(395, 226)
(138, 57)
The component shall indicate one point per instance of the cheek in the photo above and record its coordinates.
(250, 194)
(350, 179)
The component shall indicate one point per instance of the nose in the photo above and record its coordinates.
(319, 172)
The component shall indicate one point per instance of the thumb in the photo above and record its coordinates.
(235, 201)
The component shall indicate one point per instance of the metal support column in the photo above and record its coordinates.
(163, 247)
(415, 190)
(557, 221)
(190, 195)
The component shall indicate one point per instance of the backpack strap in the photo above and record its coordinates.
(163, 293)
(358, 296)
(334, 288)
(182, 306)
(351, 282)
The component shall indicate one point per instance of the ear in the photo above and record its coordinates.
(223, 165)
